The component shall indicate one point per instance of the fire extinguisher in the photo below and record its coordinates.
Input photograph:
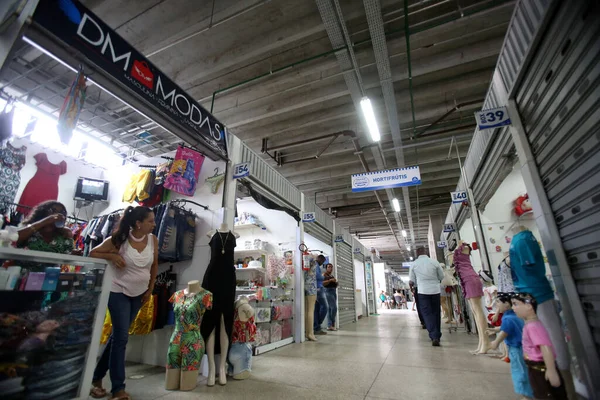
(304, 251)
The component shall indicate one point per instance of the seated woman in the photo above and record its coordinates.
(44, 229)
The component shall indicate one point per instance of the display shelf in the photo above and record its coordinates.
(272, 346)
(246, 290)
(251, 251)
(48, 258)
(244, 227)
(261, 270)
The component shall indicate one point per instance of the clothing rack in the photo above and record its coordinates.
(147, 166)
(167, 158)
(177, 201)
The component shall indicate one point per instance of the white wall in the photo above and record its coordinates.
(315, 244)
(66, 182)
(359, 283)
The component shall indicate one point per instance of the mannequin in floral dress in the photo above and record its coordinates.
(187, 345)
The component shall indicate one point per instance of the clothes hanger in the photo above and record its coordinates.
(215, 181)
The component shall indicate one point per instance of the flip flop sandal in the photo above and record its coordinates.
(98, 392)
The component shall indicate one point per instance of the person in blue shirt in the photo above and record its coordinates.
(321, 308)
(511, 332)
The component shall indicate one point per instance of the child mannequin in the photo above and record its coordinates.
(511, 331)
(544, 376)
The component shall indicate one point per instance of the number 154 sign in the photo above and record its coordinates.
(493, 118)
(241, 170)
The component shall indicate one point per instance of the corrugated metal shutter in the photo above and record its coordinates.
(315, 230)
(560, 108)
(345, 276)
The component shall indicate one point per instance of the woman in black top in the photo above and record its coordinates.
(330, 284)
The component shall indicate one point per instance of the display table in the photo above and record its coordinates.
(50, 323)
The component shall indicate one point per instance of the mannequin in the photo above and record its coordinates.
(217, 324)
(184, 355)
(446, 300)
(310, 295)
(473, 292)
(528, 271)
(244, 334)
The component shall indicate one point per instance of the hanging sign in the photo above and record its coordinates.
(339, 238)
(122, 65)
(492, 118)
(450, 227)
(442, 244)
(241, 170)
(309, 217)
(357, 250)
(458, 197)
(409, 176)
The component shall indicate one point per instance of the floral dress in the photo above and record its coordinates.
(12, 161)
(187, 345)
(310, 276)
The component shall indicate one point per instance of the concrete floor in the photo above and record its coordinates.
(384, 357)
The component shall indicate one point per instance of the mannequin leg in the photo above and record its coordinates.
(309, 305)
(480, 321)
(172, 379)
(224, 350)
(189, 380)
(210, 352)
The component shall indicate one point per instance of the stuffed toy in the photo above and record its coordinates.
(522, 205)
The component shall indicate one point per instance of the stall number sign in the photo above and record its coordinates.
(442, 244)
(458, 197)
(308, 217)
(449, 228)
(493, 118)
(357, 250)
(339, 238)
(241, 170)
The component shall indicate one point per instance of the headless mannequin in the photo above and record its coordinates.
(477, 307)
(309, 305)
(176, 378)
(223, 338)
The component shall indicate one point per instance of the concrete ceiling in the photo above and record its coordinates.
(268, 70)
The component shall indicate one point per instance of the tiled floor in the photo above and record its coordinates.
(382, 357)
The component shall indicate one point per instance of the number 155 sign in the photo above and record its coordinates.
(493, 118)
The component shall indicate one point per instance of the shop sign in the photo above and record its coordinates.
(339, 238)
(387, 179)
(450, 227)
(77, 27)
(241, 170)
(442, 244)
(458, 197)
(309, 217)
(492, 118)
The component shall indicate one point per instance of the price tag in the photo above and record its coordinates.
(449, 227)
(493, 118)
(442, 244)
(458, 197)
(308, 217)
(339, 238)
(241, 170)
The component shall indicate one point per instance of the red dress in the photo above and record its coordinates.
(44, 184)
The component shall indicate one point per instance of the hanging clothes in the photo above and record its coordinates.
(505, 281)
(12, 160)
(138, 186)
(184, 173)
(69, 113)
(187, 345)
(6, 121)
(44, 184)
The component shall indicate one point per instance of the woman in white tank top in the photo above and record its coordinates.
(133, 253)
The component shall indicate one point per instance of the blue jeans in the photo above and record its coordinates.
(430, 310)
(320, 309)
(331, 294)
(519, 371)
(123, 310)
(167, 235)
(240, 358)
(187, 233)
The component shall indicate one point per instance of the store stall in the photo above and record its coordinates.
(358, 252)
(345, 272)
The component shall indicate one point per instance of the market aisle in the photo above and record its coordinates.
(385, 357)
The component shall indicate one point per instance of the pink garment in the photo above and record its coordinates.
(44, 184)
(134, 278)
(534, 336)
(469, 280)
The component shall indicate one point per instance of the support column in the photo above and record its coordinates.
(299, 311)
(13, 33)
(234, 147)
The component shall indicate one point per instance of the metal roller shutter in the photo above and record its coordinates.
(345, 276)
(315, 230)
(560, 109)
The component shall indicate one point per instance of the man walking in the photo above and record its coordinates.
(427, 275)
(321, 307)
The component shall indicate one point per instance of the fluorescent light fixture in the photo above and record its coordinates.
(404, 233)
(396, 204)
(408, 248)
(367, 110)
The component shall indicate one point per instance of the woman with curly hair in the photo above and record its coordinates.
(44, 229)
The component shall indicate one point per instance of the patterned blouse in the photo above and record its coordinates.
(243, 332)
(11, 161)
(310, 276)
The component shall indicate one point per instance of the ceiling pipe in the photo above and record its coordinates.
(443, 117)
(266, 148)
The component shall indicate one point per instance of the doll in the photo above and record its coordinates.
(539, 354)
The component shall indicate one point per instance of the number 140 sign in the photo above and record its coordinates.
(493, 118)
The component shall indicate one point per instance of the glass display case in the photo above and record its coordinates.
(52, 309)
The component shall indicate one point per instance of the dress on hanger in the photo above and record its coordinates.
(44, 184)
(505, 281)
(12, 160)
(469, 280)
(219, 279)
(187, 346)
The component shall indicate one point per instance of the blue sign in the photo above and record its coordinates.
(309, 217)
(442, 244)
(449, 227)
(241, 170)
(339, 238)
(459, 197)
(409, 176)
(357, 250)
(492, 118)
